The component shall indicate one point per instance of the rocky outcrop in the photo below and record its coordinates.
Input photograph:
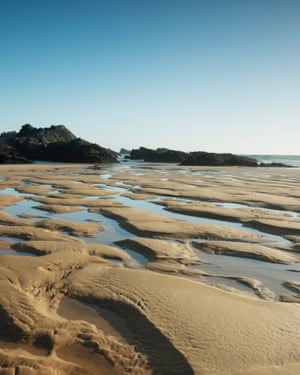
(275, 165)
(10, 155)
(218, 159)
(79, 151)
(166, 156)
(163, 155)
(160, 155)
(124, 152)
(139, 153)
(55, 143)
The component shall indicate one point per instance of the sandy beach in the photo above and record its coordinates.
(137, 268)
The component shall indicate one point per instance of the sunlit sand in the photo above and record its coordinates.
(142, 301)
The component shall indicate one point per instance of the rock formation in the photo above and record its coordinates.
(10, 155)
(140, 153)
(275, 165)
(163, 155)
(55, 143)
(124, 152)
(166, 156)
(218, 159)
(160, 155)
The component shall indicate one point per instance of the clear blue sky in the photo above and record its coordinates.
(208, 75)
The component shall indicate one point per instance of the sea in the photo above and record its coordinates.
(292, 160)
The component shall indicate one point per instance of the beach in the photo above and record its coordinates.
(138, 268)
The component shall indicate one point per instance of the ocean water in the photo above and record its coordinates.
(292, 160)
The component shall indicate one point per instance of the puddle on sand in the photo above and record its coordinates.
(112, 233)
(231, 205)
(231, 283)
(12, 240)
(16, 253)
(272, 275)
(10, 191)
(158, 209)
(105, 176)
(25, 206)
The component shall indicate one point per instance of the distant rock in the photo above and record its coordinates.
(164, 155)
(218, 159)
(160, 155)
(124, 152)
(275, 165)
(55, 143)
(140, 153)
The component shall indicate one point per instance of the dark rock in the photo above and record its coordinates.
(9, 155)
(55, 143)
(160, 155)
(139, 154)
(275, 165)
(124, 152)
(165, 156)
(218, 159)
(79, 151)
(33, 142)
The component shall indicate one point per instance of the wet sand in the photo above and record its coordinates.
(113, 282)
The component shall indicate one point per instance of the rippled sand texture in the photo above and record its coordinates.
(106, 270)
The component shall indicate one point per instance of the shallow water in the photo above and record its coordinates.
(9, 191)
(113, 231)
(231, 205)
(229, 283)
(159, 209)
(271, 275)
(16, 253)
(25, 206)
(105, 176)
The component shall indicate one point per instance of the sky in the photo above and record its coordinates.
(210, 75)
